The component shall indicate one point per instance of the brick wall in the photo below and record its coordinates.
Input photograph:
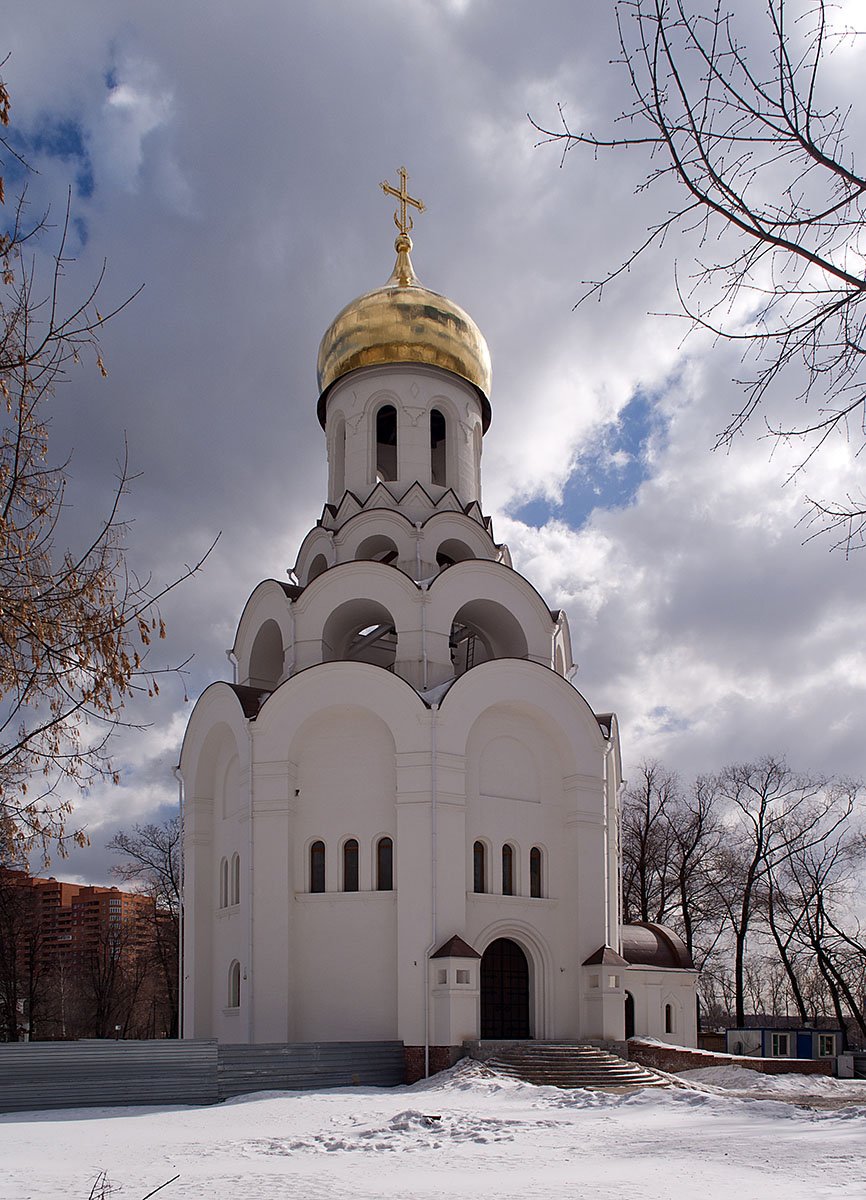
(441, 1057)
(674, 1059)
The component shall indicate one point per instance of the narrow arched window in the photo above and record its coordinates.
(385, 865)
(535, 872)
(386, 443)
(479, 868)
(224, 883)
(438, 446)
(317, 867)
(350, 865)
(236, 879)
(507, 871)
(235, 985)
(669, 1018)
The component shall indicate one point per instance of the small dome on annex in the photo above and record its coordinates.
(404, 322)
(647, 944)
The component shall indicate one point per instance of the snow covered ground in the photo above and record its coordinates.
(464, 1133)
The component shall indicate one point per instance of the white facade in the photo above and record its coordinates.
(408, 699)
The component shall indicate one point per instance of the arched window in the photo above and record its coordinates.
(236, 879)
(479, 868)
(317, 867)
(224, 883)
(385, 865)
(507, 870)
(386, 443)
(235, 985)
(535, 882)
(438, 446)
(669, 1018)
(350, 865)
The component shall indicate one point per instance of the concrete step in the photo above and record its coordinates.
(569, 1066)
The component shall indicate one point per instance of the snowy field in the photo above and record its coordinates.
(465, 1133)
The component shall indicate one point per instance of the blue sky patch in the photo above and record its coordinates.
(54, 139)
(607, 473)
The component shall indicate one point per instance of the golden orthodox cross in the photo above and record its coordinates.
(404, 221)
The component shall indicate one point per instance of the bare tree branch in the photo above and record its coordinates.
(765, 178)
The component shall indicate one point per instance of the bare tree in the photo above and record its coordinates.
(762, 173)
(75, 624)
(109, 978)
(648, 883)
(820, 885)
(698, 838)
(152, 860)
(777, 815)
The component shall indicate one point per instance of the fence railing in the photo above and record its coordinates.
(41, 1075)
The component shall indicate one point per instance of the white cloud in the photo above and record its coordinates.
(236, 163)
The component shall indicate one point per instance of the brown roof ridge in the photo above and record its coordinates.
(455, 947)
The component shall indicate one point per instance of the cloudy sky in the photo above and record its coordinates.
(228, 157)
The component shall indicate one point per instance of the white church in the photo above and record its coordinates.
(401, 817)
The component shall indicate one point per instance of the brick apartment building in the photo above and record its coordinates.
(82, 960)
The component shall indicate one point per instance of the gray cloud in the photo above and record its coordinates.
(235, 157)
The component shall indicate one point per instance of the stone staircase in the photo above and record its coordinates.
(564, 1065)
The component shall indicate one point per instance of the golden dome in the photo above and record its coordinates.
(404, 322)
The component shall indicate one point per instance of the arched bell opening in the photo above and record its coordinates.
(453, 551)
(386, 444)
(505, 991)
(266, 658)
(438, 448)
(377, 548)
(483, 630)
(360, 631)
(317, 567)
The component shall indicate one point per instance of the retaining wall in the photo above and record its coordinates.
(677, 1058)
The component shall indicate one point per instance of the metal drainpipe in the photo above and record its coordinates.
(608, 747)
(434, 713)
(618, 834)
(180, 913)
(289, 668)
(230, 655)
(249, 980)
(424, 672)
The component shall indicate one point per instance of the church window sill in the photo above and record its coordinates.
(535, 902)
(379, 897)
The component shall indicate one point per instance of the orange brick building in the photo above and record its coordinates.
(73, 919)
(78, 960)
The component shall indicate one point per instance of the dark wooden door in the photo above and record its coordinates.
(504, 991)
(629, 1015)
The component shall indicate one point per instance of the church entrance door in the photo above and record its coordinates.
(504, 991)
(629, 1015)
